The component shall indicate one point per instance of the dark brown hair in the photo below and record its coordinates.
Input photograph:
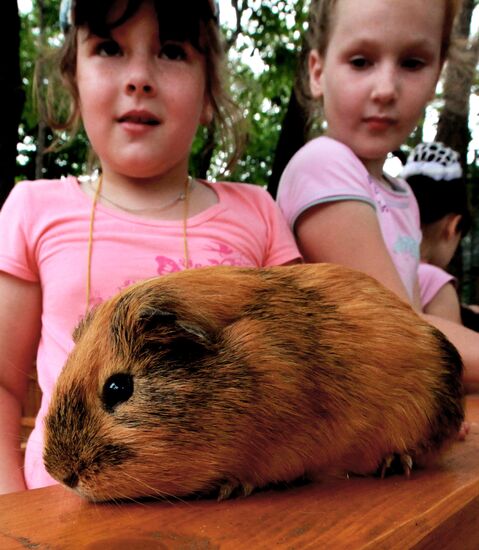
(190, 21)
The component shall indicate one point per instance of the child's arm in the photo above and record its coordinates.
(445, 304)
(467, 343)
(348, 233)
(20, 319)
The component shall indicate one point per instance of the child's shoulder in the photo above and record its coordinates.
(324, 149)
(236, 186)
(322, 158)
(42, 195)
(228, 190)
(44, 187)
(322, 162)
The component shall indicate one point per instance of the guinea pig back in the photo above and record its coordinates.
(222, 378)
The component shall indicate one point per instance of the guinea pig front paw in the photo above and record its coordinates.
(396, 462)
(234, 486)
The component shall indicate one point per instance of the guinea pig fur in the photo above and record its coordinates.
(220, 379)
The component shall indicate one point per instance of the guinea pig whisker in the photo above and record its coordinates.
(119, 501)
(156, 492)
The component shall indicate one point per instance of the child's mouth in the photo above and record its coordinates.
(139, 118)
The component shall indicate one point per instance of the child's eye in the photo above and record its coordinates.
(173, 51)
(360, 62)
(412, 63)
(108, 48)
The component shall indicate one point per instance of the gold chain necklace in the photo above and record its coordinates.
(180, 197)
(183, 196)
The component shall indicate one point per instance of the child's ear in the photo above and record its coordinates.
(315, 67)
(451, 228)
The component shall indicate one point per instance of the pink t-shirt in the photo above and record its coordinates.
(325, 170)
(431, 280)
(44, 228)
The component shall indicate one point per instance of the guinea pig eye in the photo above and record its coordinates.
(117, 389)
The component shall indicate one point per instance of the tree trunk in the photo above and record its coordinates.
(11, 84)
(453, 128)
(453, 125)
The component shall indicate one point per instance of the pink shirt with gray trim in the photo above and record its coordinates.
(325, 170)
(431, 279)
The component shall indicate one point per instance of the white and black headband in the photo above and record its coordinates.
(433, 160)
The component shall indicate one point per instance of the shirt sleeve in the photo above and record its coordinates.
(431, 280)
(281, 245)
(324, 170)
(17, 257)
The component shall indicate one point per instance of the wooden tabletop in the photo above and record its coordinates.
(437, 508)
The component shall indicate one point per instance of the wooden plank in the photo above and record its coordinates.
(437, 508)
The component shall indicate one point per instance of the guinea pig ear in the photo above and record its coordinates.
(163, 328)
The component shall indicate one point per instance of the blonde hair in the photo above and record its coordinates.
(62, 103)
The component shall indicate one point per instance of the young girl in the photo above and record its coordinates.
(435, 175)
(143, 75)
(374, 66)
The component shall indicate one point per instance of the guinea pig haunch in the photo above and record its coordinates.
(222, 378)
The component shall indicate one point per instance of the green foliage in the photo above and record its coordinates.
(37, 30)
(263, 62)
(40, 33)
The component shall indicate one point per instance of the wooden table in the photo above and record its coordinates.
(437, 508)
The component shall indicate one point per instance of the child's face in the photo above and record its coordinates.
(379, 71)
(141, 101)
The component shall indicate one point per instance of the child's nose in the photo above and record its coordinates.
(139, 78)
(133, 87)
(386, 85)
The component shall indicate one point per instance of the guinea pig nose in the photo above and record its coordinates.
(117, 389)
(71, 481)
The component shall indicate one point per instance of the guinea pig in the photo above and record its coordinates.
(227, 379)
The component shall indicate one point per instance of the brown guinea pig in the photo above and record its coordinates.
(220, 379)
